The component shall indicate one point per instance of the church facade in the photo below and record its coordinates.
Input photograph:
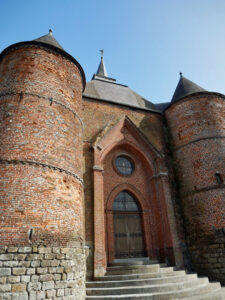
(93, 172)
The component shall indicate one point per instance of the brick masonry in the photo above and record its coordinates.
(41, 148)
(58, 182)
(144, 183)
(42, 273)
(197, 127)
(41, 184)
(96, 117)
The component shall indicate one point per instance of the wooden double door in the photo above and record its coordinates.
(128, 235)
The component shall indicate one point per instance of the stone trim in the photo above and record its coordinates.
(50, 99)
(39, 164)
(159, 175)
(98, 168)
(205, 189)
(198, 140)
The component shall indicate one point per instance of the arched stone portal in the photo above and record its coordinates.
(144, 176)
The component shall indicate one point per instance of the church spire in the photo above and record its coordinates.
(101, 68)
(101, 73)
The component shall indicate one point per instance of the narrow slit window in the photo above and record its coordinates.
(219, 178)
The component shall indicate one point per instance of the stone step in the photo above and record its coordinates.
(132, 261)
(124, 270)
(131, 267)
(140, 276)
(157, 288)
(215, 295)
(141, 282)
(152, 282)
(212, 288)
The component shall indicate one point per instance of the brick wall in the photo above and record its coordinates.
(142, 187)
(41, 186)
(41, 149)
(197, 127)
(98, 118)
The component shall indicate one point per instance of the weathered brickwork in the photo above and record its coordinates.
(30, 69)
(41, 185)
(42, 273)
(58, 179)
(41, 149)
(26, 194)
(210, 261)
(96, 117)
(144, 183)
(197, 127)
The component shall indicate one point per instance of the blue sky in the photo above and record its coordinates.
(146, 42)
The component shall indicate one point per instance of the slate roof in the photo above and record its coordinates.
(49, 39)
(102, 87)
(162, 106)
(184, 88)
(109, 90)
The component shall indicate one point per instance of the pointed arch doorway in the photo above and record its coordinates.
(127, 227)
(147, 182)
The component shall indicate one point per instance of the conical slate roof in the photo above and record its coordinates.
(184, 88)
(49, 39)
(102, 69)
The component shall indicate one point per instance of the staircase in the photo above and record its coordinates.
(131, 280)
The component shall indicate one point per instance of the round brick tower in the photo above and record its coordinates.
(41, 187)
(196, 121)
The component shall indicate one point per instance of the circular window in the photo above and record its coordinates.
(124, 165)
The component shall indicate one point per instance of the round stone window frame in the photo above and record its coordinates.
(128, 157)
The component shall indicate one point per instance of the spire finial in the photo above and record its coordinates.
(50, 31)
(181, 75)
(102, 53)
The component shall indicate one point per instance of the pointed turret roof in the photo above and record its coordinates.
(101, 68)
(184, 88)
(101, 73)
(49, 39)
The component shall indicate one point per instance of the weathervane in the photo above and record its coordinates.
(102, 53)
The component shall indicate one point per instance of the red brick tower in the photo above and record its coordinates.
(196, 121)
(41, 190)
